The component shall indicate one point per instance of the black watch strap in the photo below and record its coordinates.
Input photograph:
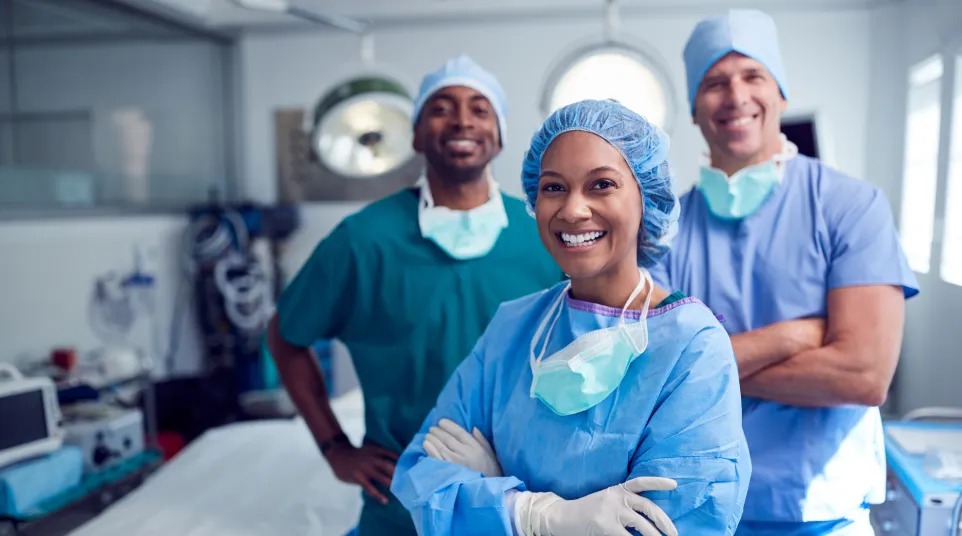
(339, 438)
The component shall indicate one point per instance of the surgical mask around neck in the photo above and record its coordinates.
(742, 194)
(462, 234)
(585, 372)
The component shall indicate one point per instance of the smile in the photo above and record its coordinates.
(738, 122)
(461, 145)
(581, 240)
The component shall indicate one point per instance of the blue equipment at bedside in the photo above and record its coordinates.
(924, 482)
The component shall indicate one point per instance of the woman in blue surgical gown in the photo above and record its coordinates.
(604, 405)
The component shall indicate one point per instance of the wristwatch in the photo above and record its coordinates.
(339, 438)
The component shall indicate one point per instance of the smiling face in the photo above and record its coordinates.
(738, 108)
(589, 206)
(457, 133)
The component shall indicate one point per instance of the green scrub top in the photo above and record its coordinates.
(408, 313)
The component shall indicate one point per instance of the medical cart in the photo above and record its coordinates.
(924, 481)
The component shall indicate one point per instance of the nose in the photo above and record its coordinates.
(575, 209)
(461, 118)
(738, 94)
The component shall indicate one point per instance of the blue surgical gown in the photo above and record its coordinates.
(818, 230)
(677, 414)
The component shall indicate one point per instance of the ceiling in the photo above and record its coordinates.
(51, 20)
(225, 14)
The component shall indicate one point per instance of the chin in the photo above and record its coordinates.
(581, 269)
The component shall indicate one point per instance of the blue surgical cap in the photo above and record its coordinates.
(644, 147)
(463, 71)
(749, 32)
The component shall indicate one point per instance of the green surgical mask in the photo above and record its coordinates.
(741, 195)
(582, 374)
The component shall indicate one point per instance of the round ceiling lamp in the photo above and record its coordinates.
(362, 127)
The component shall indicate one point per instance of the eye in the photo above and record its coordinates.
(438, 110)
(604, 184)
(552, 187)
(482, 111)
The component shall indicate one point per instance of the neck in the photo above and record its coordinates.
(731, 164)
(612, 288)
(458, 195)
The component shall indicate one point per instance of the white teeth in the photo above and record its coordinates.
(581, 239)
(462, 144)
(740, 122)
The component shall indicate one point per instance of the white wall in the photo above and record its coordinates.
(281, 70)
(931, 361)
(48, 266)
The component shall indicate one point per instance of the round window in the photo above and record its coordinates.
(612, 72)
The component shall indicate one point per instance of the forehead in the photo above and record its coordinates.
(458, 94)
(733, 63)
(576, 152)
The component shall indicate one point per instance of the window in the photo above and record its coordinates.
(106, 106)
(951, 267)
(612, 72)
(920, 171)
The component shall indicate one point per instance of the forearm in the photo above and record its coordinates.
(301, 376)
(761, 348)
(830, 376)
(426, 486)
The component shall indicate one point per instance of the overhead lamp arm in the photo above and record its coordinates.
(295, 9)
(611, 20)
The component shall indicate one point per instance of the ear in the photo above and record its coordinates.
(416, 142)
(783, 105)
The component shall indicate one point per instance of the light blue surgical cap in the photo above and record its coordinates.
(463, 71)
(747, 31)
(644, 147)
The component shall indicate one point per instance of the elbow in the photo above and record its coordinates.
(873, 395)
(872, 388)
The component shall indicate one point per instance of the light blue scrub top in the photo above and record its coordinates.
(819, 230)
(677, 414)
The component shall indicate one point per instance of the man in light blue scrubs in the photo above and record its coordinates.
(805, 264)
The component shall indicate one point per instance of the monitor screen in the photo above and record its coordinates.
(22, 419)
(802, 132)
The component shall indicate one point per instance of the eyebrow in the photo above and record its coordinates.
(452, 100)
(599, 169)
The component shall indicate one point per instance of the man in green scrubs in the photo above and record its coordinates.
(409, 283)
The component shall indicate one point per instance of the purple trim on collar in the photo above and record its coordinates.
(633, 314)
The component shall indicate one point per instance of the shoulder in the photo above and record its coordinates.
(396, 213)
(835, 186)
(696, 330)
(685, 317)
(520, 308)
(399, 203)
(516, 210)
(519, 316)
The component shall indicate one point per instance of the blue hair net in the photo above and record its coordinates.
(463, 71)
(644, 147)
(747, 31)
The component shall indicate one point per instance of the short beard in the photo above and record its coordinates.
(455, 174)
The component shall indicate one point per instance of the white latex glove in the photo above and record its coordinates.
(604, 513)
(449, 442)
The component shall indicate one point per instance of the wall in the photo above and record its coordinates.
(48, 266)
(277, 72)
(930, 365)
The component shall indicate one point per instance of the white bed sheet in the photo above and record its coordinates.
(261, 478)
